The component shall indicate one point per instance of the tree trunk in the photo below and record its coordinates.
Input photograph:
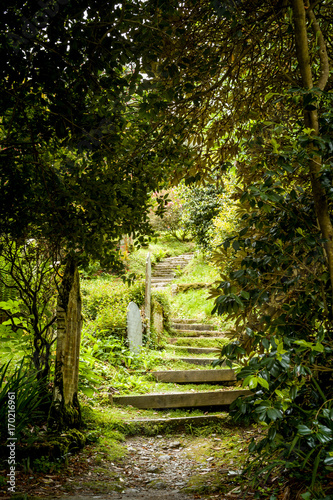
(65, 409)
(301, 11)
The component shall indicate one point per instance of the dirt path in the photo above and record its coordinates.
(182, 467)
(154, 468)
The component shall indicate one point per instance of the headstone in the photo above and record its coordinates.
(134, 327)
(148, 293)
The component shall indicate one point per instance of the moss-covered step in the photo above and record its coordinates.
(198, 341)
(180, 399)
(195, 376)
(159, 425)
(194, 350)
(185, 320)
(199, 333)
(193, 361)
(193, 326)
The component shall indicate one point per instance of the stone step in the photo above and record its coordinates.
(183, 256)
(171, 262)
(164, 273)
(193, 326)
(194, 350)
(161, 280)
(167, 277)
(175, 423)
(199, 333)
(194, 361)
(184, 320)
(164, 270)
(180, 399)
(174, 340)
(195, 376)
(171, 266)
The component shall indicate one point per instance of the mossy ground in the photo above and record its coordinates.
(198, 342)
(221, 445)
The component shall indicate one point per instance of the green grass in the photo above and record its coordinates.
(106, 420)
(193, 304)
(200, 342)
(151, 386)
(184, 353)
(175, 364)
(188, 333)
(198, 271)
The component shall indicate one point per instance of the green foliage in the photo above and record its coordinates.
(16, 339)
(189, 213)
(26, 397)
(172, 219)
(277, 290)
(29, 272)
(45, 465)
(113, 364)
(97, 148)
(105, 303)
(202, 205)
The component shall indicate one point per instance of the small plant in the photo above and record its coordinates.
(45, 465)
(28, 402)
(160, 254)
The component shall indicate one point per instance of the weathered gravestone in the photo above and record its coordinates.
(134, 327)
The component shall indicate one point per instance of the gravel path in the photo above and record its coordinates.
(157, 467)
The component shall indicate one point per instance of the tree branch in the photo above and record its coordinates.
(323, 56)
(301, 42)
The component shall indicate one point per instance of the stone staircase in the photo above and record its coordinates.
(165, 271)
(188, 331)
(182, 346)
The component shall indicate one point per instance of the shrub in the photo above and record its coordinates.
(28, 401)
(105, 305)
(172, 219)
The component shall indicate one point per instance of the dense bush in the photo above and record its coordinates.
(105, 303)
(172, 220)
(277, 290)
(202, 204)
